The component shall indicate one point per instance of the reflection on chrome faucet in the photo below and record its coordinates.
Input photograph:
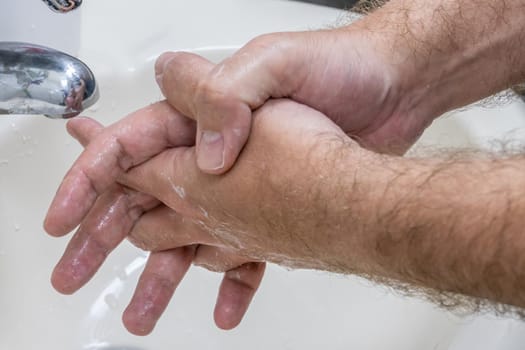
(39, 80)
(63, 5)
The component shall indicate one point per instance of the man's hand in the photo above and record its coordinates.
(345, 74)
(107, 212)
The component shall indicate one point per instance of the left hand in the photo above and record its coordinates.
(112, 211)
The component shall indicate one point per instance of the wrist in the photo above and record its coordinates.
(351, 203)
(326, 214)
(447, 54)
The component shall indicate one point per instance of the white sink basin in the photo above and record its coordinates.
(293, 309)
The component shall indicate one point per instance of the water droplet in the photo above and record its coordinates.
(111, 301)
(4, 162)
(204, 212)
(17, 227)
(33, 26)
(180, 191)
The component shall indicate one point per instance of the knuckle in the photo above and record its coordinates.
(209, 92)
(276, 45)
(266, 40)
(218, 100)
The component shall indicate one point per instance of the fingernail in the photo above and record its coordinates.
(161, 62)
(211, 151)
(160, 66)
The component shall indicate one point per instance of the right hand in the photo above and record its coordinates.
(107, 212)
(347, 74)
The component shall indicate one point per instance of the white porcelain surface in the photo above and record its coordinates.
(293, 310)
(32, 21)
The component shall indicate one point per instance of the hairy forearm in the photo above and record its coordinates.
(449, 52)
(455, 225)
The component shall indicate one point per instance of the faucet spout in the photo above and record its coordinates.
(63, 6)
(39, 80)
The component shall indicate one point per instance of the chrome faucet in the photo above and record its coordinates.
(63, 5)
(38, 80)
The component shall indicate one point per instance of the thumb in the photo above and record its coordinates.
(222, 98)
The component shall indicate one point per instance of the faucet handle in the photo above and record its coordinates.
(63, 5)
